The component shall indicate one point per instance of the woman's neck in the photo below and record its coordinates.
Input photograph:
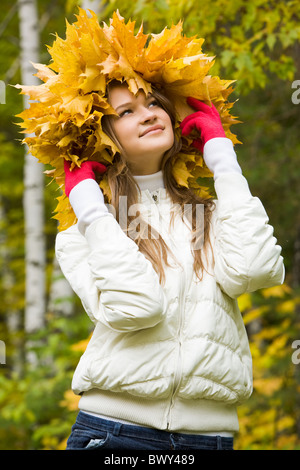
(151, 182)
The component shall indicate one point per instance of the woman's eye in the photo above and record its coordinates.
(125, 112)
(153, 103)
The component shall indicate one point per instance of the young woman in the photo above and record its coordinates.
(169, 359)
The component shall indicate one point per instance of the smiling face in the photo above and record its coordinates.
(143, 128)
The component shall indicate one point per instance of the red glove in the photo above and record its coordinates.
(206, 120)
(86, 171)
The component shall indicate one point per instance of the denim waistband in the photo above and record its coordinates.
(135, 431)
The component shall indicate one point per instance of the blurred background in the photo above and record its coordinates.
(43, 329)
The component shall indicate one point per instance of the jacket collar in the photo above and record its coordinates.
(152, 182)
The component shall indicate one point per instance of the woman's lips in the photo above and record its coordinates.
(152, 130)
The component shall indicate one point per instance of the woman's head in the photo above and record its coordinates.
(155, 153)
(143, 129)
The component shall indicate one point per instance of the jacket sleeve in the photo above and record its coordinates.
(246, 255)
(115, 282)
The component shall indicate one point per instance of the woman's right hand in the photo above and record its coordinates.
(84, 193)
(218, 151)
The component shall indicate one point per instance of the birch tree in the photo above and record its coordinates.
(33, 181)
(94, 5)
(61, 298)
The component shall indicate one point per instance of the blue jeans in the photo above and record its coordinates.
(93, 433)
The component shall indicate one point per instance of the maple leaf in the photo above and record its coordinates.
(64, 119)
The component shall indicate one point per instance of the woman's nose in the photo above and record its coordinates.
(148, 115)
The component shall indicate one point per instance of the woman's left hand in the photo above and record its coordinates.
(206, 120)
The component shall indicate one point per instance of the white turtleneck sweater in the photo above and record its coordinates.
(151, 182)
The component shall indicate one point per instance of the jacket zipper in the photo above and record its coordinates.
(178, 372)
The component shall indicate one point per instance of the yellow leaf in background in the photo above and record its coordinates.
(285, 423)
(289, 306)
(81, 346)
(244, 302)
(70, 400)
(264, 429)
(277, 348)
(255, 313)
(255, 350)
(276, 291)
(272, 332)
(287, 442)
(63, 444)
(267, 386)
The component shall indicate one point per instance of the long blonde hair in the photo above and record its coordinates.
(122, 183)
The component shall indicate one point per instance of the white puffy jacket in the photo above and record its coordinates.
(176, 356)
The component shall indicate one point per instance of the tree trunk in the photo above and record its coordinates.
(61, 299)
(94, 5)
(33, 182)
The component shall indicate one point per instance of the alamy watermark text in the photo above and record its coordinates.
(296, 94)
